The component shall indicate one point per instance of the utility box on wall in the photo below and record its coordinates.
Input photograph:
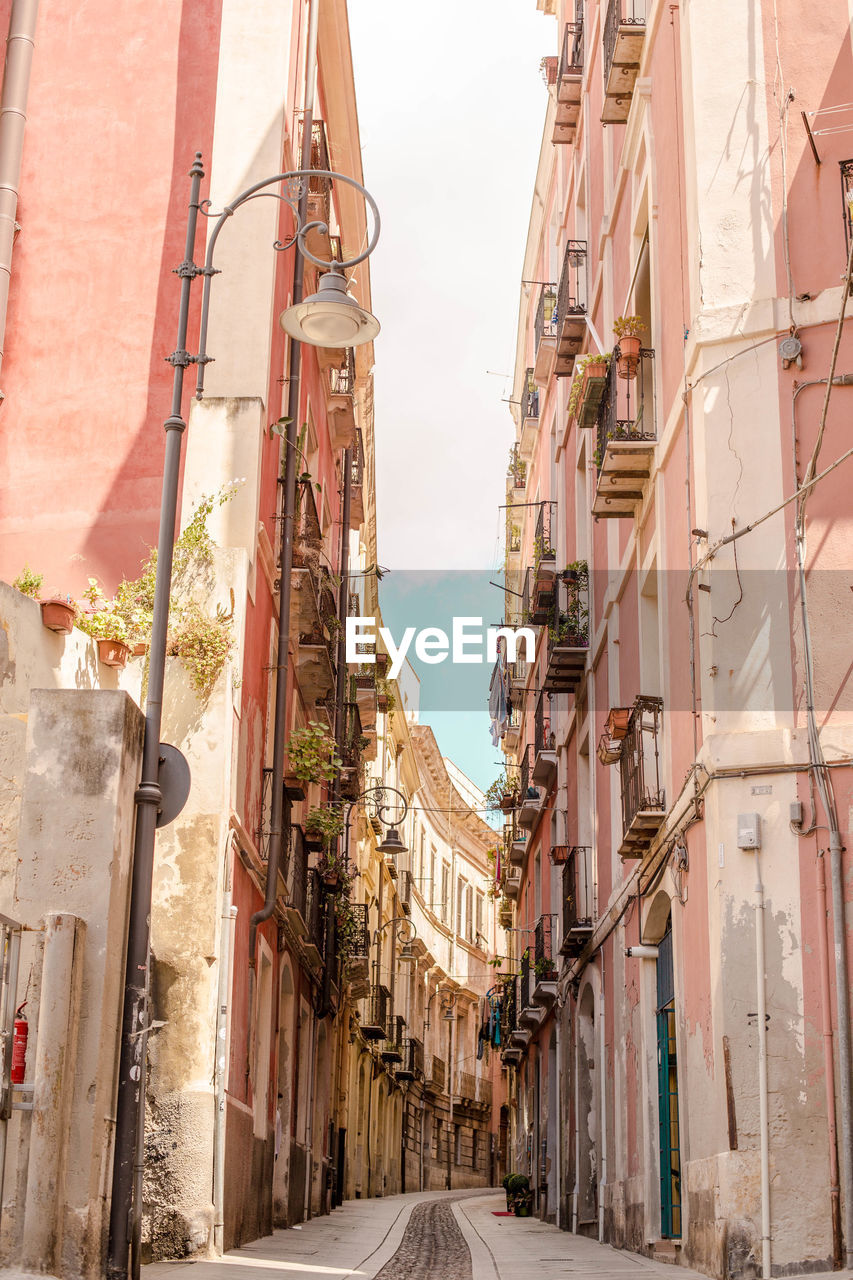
(749, 831)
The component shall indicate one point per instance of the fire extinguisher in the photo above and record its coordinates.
(19, 1045)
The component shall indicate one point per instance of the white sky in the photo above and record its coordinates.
(451, 109)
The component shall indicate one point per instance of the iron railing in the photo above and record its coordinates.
(571, 294)
(467, 1085)
(517, 470)
(525, 987)
(509, 1010)
(529, 397)
(639, 760)
(620, 13)
(542, 739)
(342, 379)
(542, 952)
(298, 872)
(484, 1090)
(545, 320)
(307, 535)
(404, 891)
(379, 1008)
(569, 624)
(315, 907)
(544, 547)
(357, 473)
(577, 890)
(627, 408)
(526, 770)
(571, 50)
(360, 944)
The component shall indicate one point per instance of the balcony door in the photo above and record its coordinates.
(670, 1152)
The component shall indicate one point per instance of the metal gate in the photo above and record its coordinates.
(670, 1154)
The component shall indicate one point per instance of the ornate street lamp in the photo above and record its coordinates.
(328, 318)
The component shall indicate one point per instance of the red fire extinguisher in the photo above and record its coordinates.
(19, 1045)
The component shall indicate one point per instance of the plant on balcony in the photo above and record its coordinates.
(28, 583)
(627, 330)
(311, 754)
(328, 823)
(588, 387)
(106, 624)
(545, 969)
(503, 793)
(542, 551)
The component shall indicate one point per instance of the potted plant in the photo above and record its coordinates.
(28, 583)
(505, 1184)
(322, 826)
(311, 754)
(545, 969)
(518, 1190)
(106, 625)
(617, 722)
(627, 330)
(58, 614)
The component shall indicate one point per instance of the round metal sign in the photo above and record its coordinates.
(174, 778)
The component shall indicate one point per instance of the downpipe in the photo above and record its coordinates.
(226, 948)
(761, 989)
(828, 1061)
(844, 1057)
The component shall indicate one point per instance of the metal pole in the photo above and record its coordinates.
(131, 1074)
(842, 996)
(450, 1090)
(761, 1007)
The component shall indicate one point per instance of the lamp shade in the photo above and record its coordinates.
(330, 317)
(392, 843)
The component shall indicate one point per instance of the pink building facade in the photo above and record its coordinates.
(665, 757)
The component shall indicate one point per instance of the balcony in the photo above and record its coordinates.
(404, 892)
(568, 632)
(544, 969)
(540, 581)
(374, 1016)
(511, 732)
(577, 900)
(569, 78)
(436, 1080)
(393, 1050)
(366, 696)
(509, 1022)
(484, 1091)
(624, 36)
(467, 1082)
(545, 334)
(545, 755)
(319, 192)
(350, 752)
(516, 477)
(529, 417)
(571, 307)
(356, 946)
(643, 799)
(341, 402)
(356, 510)
(412, 1066)
(513, 883)
(625, 439)
(531, 798)
(313, 943)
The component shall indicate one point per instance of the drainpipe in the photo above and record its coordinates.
(602, 1092)
(13, 119)
(844, 1056)
(828, 1069)
(762, 1070)
(278, 818)
(226, 946)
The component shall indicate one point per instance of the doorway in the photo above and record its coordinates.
(670, 1152)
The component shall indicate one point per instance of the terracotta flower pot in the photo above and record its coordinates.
(113, 653)
(58, 615)
(629, 357)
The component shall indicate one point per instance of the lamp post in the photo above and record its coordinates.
(328, 318)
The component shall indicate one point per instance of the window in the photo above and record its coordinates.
(469, 913)
(479, 913)
(460, 906)
(444, 901)
(475, 1147)
(432, 892)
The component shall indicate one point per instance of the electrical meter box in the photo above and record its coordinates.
(749, 831)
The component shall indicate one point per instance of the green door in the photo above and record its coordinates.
(670, 1157)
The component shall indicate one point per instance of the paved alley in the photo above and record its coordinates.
(428, 1236)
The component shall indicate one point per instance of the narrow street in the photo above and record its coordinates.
(459, 1235)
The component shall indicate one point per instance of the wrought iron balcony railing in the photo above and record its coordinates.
(571, 50)
(542, 953)
(529, 397)
(625, 436)
(437, 1074)
(543, 739)
(545, 321)
(543, 537)
(624, 30)
(568, 631)
(376, 1012)
(404, 891)
(577, 899)
(571, 306)
(360, 942)
(358, 460)
(412, 1066)
(467, 1082)
(525, 986)
(643, 798)
(509, 1010)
